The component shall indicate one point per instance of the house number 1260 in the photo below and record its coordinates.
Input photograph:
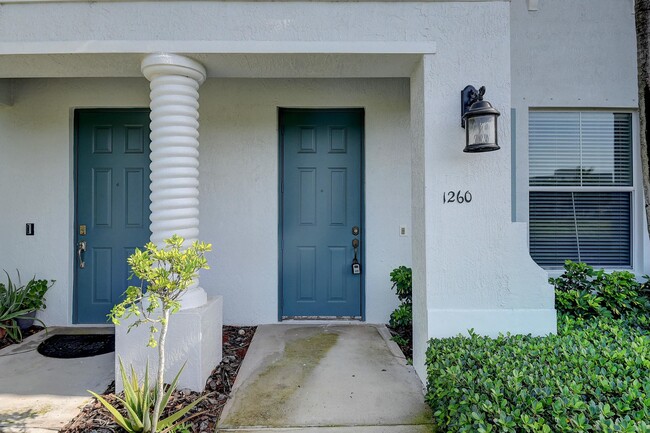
(456, 197)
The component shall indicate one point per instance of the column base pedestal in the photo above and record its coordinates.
(194, 336)
(193, 298)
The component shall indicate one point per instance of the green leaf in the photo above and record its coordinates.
(170, 420)
(117, 416)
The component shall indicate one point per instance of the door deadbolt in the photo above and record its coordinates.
(355, 231)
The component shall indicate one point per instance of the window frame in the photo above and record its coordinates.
(637, 215)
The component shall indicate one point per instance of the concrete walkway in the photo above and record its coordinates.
(39, 394)
(325, 379)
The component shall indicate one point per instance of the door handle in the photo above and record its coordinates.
(81, 249)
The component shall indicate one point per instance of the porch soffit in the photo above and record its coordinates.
(285, 1)
(245, 59)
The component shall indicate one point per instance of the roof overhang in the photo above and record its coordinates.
(247, 59)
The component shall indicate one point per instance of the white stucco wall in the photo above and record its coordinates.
(471, 264)
(239, 178)
(238, 175)
(420, 127)
(575, 55)
(124, 21)
(36, 177)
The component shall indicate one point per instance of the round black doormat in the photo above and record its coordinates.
(77, 346)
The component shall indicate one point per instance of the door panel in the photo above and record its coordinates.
(112, 186)
(321, 203)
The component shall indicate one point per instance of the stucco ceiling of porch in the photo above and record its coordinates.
(246, 65)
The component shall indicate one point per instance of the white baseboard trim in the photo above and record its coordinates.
(449, 323)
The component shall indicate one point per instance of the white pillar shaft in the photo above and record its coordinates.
(175, 81)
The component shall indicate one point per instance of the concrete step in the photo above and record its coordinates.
(337, 429)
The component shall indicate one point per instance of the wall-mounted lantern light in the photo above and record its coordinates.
(479, 119)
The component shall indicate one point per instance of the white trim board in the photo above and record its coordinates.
(219, 47)
(450, 323)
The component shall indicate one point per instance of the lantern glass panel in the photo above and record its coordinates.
(481, 130)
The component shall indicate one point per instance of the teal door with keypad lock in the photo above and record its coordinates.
(112, 205)
(321, 213)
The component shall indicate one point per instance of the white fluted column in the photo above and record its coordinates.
(175, 81)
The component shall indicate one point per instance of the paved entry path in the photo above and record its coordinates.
(325, 379)
(39, 394)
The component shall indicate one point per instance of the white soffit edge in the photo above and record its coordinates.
(252, 1)
(246, 59)
(217, 65)
(220, 47)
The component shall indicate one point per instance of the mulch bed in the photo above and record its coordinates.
(6, 341)
(93, 418)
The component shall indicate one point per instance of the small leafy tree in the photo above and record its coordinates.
(165, 274)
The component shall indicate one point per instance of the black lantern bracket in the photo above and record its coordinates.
(468, 96)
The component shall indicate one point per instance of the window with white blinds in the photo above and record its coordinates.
(580, 166)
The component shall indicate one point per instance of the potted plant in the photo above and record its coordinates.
(33, 300)
(19, 302)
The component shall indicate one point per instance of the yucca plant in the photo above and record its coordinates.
(13, 306)
(139, 399)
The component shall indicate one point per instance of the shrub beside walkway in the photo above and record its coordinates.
(594, 376)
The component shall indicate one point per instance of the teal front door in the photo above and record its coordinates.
(112, 205)
(321, 197)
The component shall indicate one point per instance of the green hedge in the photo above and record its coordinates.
(594, 376)
(582, 291)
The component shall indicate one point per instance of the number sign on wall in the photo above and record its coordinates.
(458, 197)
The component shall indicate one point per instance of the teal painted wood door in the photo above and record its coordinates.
(112, 202)
(321, 204)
